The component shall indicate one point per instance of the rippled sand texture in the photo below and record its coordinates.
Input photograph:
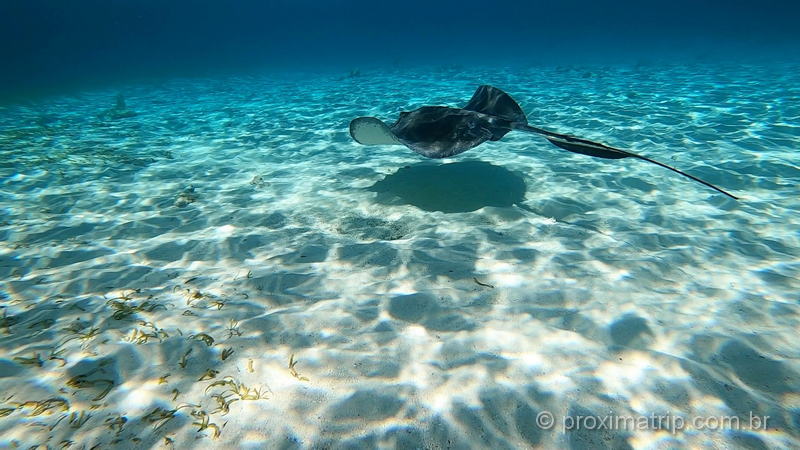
(160, 271)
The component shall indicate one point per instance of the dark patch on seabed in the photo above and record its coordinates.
(462, 186)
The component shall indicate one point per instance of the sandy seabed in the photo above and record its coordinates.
(227, 268)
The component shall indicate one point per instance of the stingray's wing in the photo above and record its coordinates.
(372, 131)
(494, 102)
(596, 149)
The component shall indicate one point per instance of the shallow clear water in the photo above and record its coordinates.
(437, 304)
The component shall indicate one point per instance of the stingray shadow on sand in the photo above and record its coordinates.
(462, 186)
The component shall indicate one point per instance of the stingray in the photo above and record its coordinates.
(443, 131)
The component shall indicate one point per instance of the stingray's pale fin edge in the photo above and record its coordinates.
(596, 149)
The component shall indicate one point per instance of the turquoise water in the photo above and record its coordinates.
(372, 298)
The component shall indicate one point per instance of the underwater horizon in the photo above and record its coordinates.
(196, 253)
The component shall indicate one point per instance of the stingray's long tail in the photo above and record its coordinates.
(686, 175)
(596, 149)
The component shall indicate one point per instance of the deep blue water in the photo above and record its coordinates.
(49, 45)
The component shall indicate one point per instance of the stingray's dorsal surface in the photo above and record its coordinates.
(441, 131)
